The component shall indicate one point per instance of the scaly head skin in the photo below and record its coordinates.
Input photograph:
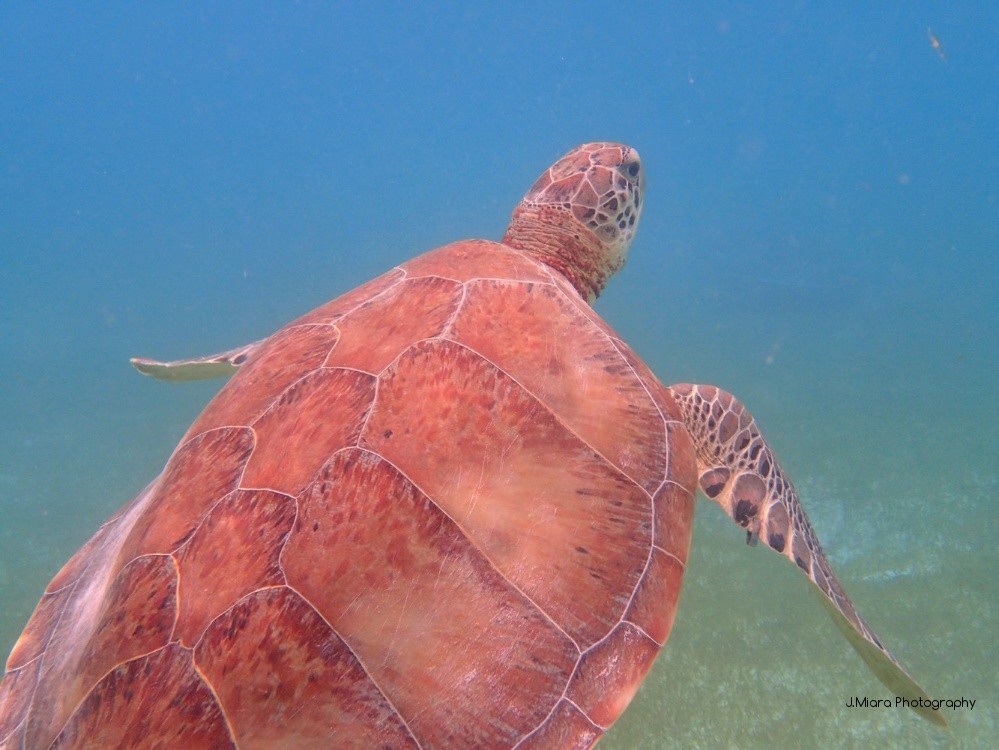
(581, 215)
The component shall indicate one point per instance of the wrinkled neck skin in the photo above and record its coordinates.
(556, 238)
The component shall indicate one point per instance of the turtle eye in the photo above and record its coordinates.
(632, 169)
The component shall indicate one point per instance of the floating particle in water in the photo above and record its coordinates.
(937, 47)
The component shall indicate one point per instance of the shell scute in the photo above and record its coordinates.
(654, 604)
(285, 678)
(158, 700)
(526, 491)
(477, 259)
(16, 691)
(281, 360)
(375, 333)
(406, 574)
(604, 683)
(39, 629)
(138, 617)
(77, 565)
(570, 365)
(200, 472)
(566, 727)
(133, 614)
(310, 420)
(675, 516)
(234, 551)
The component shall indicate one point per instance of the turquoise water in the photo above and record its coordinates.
(819, 237)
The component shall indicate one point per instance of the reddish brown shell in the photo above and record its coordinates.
(448, 509)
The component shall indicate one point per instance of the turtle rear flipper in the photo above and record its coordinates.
(737, 469)
(221, 365)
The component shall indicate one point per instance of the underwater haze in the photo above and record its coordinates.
(819, 237)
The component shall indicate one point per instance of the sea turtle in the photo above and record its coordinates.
(450, 508)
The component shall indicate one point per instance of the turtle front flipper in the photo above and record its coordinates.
(221, 365)
(737, 469)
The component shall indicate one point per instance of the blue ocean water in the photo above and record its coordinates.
(819, 236)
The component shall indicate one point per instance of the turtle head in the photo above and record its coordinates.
(582, 213)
